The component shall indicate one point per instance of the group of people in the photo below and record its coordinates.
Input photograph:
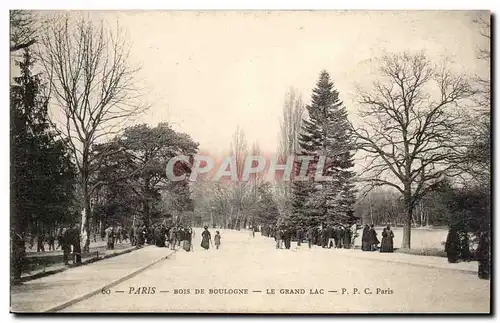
(171, 237)
(41, 240)
(370, 242)
(115, 234)
(206, 239)
(457, 247)
(178, 235)
(68, 239)
(332, 236)
(162, 235)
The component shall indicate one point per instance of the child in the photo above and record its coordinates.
(217, 239)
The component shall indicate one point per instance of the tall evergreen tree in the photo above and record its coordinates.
(326, 133)
(42, 174)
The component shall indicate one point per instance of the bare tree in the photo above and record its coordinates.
(94, 90)
(255, 178)
(410, 121)
(290, 126)
(255, 181)
(477, 159)
(239, 149)
(23, 29)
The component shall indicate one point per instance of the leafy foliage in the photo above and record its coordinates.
(42, 173)
(133, 174)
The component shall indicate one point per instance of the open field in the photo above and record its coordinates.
(421, 238)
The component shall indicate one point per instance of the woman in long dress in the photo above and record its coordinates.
(387, 240)
(365, 239)
(205, 239)
(452, 246)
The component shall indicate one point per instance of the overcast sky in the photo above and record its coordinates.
(206, 73)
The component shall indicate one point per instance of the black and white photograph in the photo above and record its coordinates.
(250, 161)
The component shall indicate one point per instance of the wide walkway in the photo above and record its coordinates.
(39, 264)
(52, 291)
(249, 275)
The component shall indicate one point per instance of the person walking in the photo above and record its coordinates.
(171, 236)
(387, 244)
(310, 236)
(278, 237)
(299, 236)
(217, 239)
(354, 234)
(206, 238)
(51, 241)
(347, 238)
(132, 234)
(287, 238)
(365, 238)
(75, 239)
(452, 245)
(110, 238)
(190, 238)
(373, 238)
(65, 245)
(331, 235)
(40, 243)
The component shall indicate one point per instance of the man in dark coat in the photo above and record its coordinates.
(465, 253)
(51, 241)
(316, 233)
(71, 238)
(340, 236)
(330, 234)
(373, 238)
(299, 236)
(287, 236)
(40, 242)
(141, 235)
(483, 256)
(110, 235)
(310, 237)
(163, 233)
(347, 238)
(452, 246)
(279, 237)
(334, 234)
(132, 235)
(65, 245)
(77, 251)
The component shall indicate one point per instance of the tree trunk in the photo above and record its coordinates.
(407, 222)
(85, 236)
(145, 215)
(101, 229)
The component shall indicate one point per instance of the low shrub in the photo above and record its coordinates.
(435, 252)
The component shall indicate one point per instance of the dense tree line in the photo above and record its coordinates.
(43, 176)
(93, 170)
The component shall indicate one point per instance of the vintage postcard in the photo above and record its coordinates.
(250, 161)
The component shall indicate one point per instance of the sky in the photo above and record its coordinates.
(208, 72)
